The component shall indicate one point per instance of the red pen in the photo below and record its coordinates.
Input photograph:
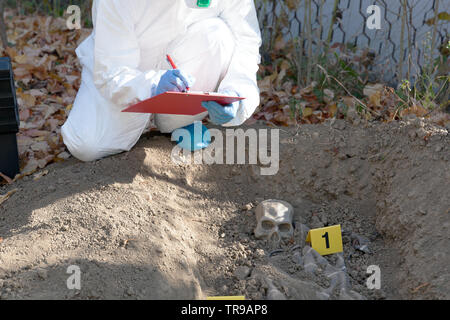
(169, 58)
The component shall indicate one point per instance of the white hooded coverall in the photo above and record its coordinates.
(125, 57)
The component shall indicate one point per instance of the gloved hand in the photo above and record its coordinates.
(219, 114)
(175, 81)
(193, 137)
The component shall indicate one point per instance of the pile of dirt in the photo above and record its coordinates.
(142, 227)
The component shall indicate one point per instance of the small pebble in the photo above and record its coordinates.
(42, 274)
(242, 272)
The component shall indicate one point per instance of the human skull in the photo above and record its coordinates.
(274, 220)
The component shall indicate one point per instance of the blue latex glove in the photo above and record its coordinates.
(193, 137)
(175, 81)
(219, 114)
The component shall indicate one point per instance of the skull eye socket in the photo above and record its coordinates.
(267, 225)
(284, 227)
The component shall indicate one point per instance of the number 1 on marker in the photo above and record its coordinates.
(327, 240)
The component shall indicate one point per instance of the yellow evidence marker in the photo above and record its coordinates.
(230, 298)
(326, 240)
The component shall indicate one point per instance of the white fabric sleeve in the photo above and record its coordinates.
(240, 16)
(117, 55)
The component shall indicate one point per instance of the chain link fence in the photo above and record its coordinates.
(410, 35)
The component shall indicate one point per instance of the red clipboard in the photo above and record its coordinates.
(182, 103)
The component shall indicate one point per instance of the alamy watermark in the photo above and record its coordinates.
(233, 149)
(374, 281)
(73, 22)
(373, 21)
(74, 281)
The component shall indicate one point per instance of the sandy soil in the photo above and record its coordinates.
(141, 227)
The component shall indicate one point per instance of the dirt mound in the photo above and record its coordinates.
(141, 227)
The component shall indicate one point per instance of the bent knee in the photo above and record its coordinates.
(83, 149)
(85, 152)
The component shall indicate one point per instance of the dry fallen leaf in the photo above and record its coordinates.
(6, 178)
(5, 197)
(417, 110)
(332, 109)
(415, 290)
(39, 175)
(307, 112)
(370, 90)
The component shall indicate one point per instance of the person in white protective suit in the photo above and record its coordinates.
(215, 42)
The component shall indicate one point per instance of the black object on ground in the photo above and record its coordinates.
(9, 120)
